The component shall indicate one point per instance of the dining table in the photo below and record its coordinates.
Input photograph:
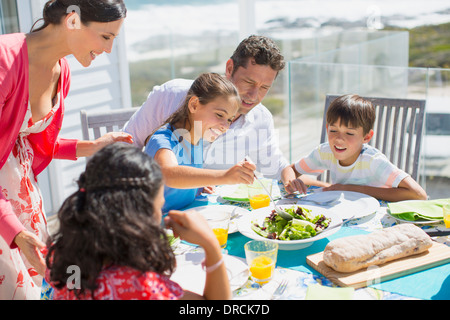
(305, 282)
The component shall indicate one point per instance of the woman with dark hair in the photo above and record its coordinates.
(34, 81)
(110, 230)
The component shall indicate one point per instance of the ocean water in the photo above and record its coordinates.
(150, 18)
(137, 4)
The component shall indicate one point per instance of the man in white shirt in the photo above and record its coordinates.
(253, 68)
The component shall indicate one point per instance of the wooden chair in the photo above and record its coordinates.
(104, 122)
(398, 130)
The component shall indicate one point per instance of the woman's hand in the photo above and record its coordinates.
(89, 148)
(113, 137)
(30, 245)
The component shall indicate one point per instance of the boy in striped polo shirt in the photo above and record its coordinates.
(353, 164)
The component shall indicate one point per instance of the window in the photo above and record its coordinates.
(438, 124)
(9, 20)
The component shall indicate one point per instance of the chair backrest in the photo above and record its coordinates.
(398, 130)
(104, 122)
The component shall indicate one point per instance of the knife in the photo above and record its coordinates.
(437, 233)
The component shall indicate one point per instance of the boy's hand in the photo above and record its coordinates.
(336, 187)
(209, 189)
(295, 185)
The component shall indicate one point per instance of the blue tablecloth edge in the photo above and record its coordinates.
(400, 285)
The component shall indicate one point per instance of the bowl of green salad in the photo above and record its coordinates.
(307, 225)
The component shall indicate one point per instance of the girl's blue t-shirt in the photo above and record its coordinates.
(187, 155)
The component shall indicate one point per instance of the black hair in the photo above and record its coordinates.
(110, 220)
(88, 10)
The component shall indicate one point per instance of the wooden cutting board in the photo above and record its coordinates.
(437, 255)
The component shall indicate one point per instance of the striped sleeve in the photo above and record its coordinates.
(315, 163)
(386, 172)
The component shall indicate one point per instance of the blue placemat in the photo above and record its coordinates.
(295, 259)
(431, 284)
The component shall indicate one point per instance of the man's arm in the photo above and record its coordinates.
(161, 103)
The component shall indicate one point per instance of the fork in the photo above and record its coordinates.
(280, 289)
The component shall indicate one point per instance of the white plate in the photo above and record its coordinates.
(190, 275)
(350, 203)
(229, 191)
(236, 213)
(245, 226)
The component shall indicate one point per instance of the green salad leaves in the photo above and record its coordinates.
(303, 225)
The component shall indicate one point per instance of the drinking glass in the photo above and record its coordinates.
(219, 221)
(257, 195)
(261, 258)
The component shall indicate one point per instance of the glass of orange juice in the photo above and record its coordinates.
(261, 258)
(257, 195)
(219, 221)
(446, 209)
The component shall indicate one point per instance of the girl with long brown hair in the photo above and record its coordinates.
(177, 146)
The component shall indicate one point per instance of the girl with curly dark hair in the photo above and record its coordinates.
(110, 233)
(35, 80)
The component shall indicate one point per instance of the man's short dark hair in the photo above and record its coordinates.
(262, 49)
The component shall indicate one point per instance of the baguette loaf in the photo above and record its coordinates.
(357, 252)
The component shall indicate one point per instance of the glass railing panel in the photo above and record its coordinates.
(310, 83)
(436, 151)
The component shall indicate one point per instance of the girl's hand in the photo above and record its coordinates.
(192, 227)
(243, 172)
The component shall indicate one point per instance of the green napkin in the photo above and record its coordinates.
(319, 292)
(413, 210)
(239, 194)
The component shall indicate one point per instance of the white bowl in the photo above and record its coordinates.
(244, 226)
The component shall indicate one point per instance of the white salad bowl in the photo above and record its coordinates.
(257, 216)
